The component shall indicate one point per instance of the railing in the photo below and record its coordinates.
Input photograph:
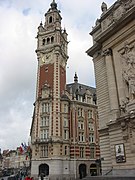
(108, 172)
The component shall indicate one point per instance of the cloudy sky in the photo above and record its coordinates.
(19, 20)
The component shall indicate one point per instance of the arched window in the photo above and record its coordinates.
(48, 40)
(50, 19)
(52, 39)
(43, 42)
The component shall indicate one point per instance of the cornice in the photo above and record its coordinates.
(110, 31)
(116, 26)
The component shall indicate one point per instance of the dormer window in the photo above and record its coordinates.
(50, 19)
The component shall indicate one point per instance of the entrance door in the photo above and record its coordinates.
(43, 170)
(82, 170)
(93, 170)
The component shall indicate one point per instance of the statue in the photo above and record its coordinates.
(104, 7)
(128, 61)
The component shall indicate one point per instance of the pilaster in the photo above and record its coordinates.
(112, 89)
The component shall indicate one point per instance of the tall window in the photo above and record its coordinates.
(65, 150)
(52, 39)
(81, 152)
(45, 121)
(80, 98)
(91, 137)
(66, 134)
(80, 112)
(81, 125)
(65, 122)
(45, 107)
(44, 151)
(44, 134)
(50, 19)
(65, 108)
(81, 136)
(92, 152)
(91, 125)
(89, 113)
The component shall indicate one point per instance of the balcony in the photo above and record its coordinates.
(41, 140)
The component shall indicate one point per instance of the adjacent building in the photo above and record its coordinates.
(113, 53)
(14, 161)
(64, 136)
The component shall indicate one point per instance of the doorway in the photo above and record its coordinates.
(43, 170)
(93, 170)
(82, 170)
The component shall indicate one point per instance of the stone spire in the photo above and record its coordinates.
(53, 5)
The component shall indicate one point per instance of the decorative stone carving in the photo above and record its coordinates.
(107, 52)
(121, 6)
(104, 7)
(127, 4)
(128, 129)
(128, 63)
(123, 106)
(46, 93)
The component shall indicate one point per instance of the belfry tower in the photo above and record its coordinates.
(64, 136)
(46, 129)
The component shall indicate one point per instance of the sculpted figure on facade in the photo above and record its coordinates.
(128, 63)
(104, 7)
(128, 130)
(123, 106)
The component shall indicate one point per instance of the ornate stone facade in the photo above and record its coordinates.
(113, 53)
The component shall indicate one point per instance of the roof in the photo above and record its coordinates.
(80, 89)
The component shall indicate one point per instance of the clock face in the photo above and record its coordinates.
(46, 58)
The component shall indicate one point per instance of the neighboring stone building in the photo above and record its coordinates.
(63, 133)
(113, 53)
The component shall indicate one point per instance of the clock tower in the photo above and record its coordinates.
(46, 128)
(64, 136)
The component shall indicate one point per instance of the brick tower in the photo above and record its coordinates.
(51, 81)
(63, 133)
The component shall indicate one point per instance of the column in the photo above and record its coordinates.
(112, 87)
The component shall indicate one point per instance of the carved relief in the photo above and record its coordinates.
(46, 93)
(123, 106)
(121, 6)
(107, 52)
(128, 130)
(128, 68)
(127, 4)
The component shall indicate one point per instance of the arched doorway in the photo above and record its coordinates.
(43, 170)
(93, 170)
(82, 170)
